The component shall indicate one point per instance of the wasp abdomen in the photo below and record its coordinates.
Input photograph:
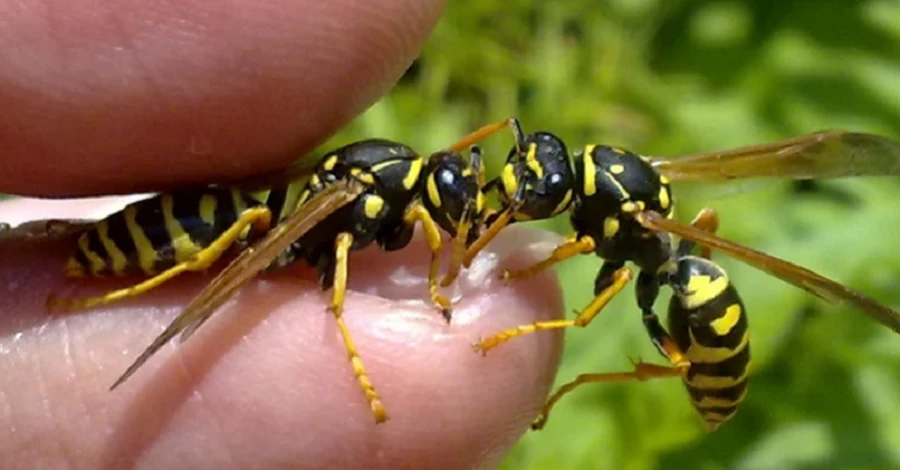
(708, 322)
(154, 234)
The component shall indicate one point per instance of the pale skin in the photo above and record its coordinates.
(265, 384)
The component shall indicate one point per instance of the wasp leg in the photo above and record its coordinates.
(459, 247)
(418, 213)
(260, 218)
(613, 276)
(486, 131)
(642, 371)
(342, 243)
(708, 220)
(501, 220)
(571, 247)
(679, 363)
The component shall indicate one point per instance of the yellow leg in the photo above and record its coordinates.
(569, 249)
(486, 131)
(621, 277)
(502, 221)
(459, 248)
(342, 249)
(259, 217)
(418, 213)
(642, 371)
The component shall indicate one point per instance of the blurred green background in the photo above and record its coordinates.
(668, 77)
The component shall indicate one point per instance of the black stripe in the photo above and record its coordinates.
(275, 201)
(734, 367)
(725, 411)
(186, 210)
(95, 245)
(731, 394)
(117, 231)
(149, 217)
(82, 258)
(226, 213)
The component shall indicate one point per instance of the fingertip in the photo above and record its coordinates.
(267, 379)
(160, 97)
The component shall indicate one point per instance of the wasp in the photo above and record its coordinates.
(621, 208)
(372, 191)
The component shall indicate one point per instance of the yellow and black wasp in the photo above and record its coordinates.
(621, 208)
(369, 191)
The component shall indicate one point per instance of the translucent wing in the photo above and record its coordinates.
(248, 264)
(827, 154)
(799, 276)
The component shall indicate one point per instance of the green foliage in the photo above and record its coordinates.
(670, 77)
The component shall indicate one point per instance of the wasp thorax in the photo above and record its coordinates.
(619, 181)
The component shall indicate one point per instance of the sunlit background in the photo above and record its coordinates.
(668, 77)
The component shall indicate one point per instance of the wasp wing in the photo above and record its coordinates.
(797, 275)
(248, 264)
(826, 154)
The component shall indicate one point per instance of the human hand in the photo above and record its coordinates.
(265, 383)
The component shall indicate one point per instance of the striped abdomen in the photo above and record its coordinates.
(709, 324)
(155, 234)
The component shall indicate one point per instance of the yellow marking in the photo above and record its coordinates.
(617, 169)
(73, 268)
(118, 258)
(622, 191)
(617, 150)
(146, 253)
(629, 207)
(610, 227)
(706, 382)
(467, 172)
(521, 217)
(663, 179)
(292, 201)
(716, 402)
(641, 205)
(181, 242)
(479, 202)
(564, 203)
(373, 206)
(412, 176)
(304, 196)
(262, 195)
(237, 200)
(664, 200)
(713, 420)
(207, 210)
(702, 289)
(97, 262)
(365, 177)
(432, 190)
(590, 171)
(315, 181)
(532, 162)
(724, 324)
(330, 162)
(510, 184)
(378, 167)
(700, 354)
